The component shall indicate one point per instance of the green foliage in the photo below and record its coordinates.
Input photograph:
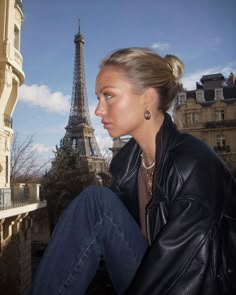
(68, 176)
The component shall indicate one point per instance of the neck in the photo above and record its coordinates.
(147, 142)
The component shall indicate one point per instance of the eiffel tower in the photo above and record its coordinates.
(79, 130)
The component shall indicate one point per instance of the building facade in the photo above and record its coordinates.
(11, 77)
(209, 112)
(18, 204)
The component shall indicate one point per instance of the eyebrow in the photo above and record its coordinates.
(104, 87)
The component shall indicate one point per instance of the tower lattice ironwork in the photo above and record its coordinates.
(79, 130)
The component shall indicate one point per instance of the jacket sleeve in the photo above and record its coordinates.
(177, 260)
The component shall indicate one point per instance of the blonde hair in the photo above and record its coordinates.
(145, 68)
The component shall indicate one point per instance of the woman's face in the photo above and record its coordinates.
(120, 107)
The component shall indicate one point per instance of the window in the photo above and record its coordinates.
(200, 95)
(16, 38)
(221, 144)
(191, 118)
(181, 98)
(220, 140)
(220, 115)
(219, 94)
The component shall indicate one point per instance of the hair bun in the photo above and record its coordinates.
(176, 66)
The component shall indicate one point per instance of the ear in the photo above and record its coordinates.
(150, 97)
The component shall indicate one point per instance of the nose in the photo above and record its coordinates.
(100, 109)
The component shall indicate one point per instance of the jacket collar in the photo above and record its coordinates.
(127, 161)
(165, 138)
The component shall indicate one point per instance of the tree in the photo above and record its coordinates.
(68, 176)
(25, 161)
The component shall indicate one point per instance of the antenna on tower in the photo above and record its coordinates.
(79, 25)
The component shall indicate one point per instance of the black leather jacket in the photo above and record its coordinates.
(191, 218)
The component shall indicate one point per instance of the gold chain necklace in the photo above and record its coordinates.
(149, 179)
(144, 164)
(149, 176)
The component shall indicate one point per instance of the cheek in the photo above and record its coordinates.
(128, 115)
(125, 108)
(116, 110)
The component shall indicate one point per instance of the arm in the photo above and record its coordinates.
(178, 257)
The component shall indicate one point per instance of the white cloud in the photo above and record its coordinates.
(41, 148)
(160, 46)
(189, 81)
(41, 95)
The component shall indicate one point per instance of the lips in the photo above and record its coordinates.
(106, 124)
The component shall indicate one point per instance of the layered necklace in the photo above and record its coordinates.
(149, 171)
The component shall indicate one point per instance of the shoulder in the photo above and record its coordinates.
(192, 154)
(183, 150)
(201, 173)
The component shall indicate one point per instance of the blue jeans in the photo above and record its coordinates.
(95, 224)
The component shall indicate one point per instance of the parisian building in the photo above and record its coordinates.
(209, 113)
(18, 204)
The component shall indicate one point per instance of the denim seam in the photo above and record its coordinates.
(118, 229)
(71, 275)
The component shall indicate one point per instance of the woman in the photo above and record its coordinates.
(178, 235)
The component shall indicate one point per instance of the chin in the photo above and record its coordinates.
(116, 134)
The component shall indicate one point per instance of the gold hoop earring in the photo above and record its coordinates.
(147, 115)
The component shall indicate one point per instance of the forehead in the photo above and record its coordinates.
(109, 73)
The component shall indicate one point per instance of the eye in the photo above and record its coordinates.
(107, 95)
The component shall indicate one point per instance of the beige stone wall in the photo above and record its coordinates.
(11, 77)
(15, 255)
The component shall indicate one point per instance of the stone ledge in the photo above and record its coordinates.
(22, 209)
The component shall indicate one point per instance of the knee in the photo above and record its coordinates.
(95, 191)
(100, 194)
(96, 199)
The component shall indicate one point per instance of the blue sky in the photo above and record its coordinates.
(201, 33)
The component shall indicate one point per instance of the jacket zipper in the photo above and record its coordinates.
(148, 228)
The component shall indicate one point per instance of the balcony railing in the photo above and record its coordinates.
(222, 123)
(222, 149)
(19, 195)
(5, 198)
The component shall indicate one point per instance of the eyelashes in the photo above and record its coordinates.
(106, 96)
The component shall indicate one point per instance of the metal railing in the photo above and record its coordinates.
(222, 149)
(5, 197)
(9, 201)
(222, 123)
